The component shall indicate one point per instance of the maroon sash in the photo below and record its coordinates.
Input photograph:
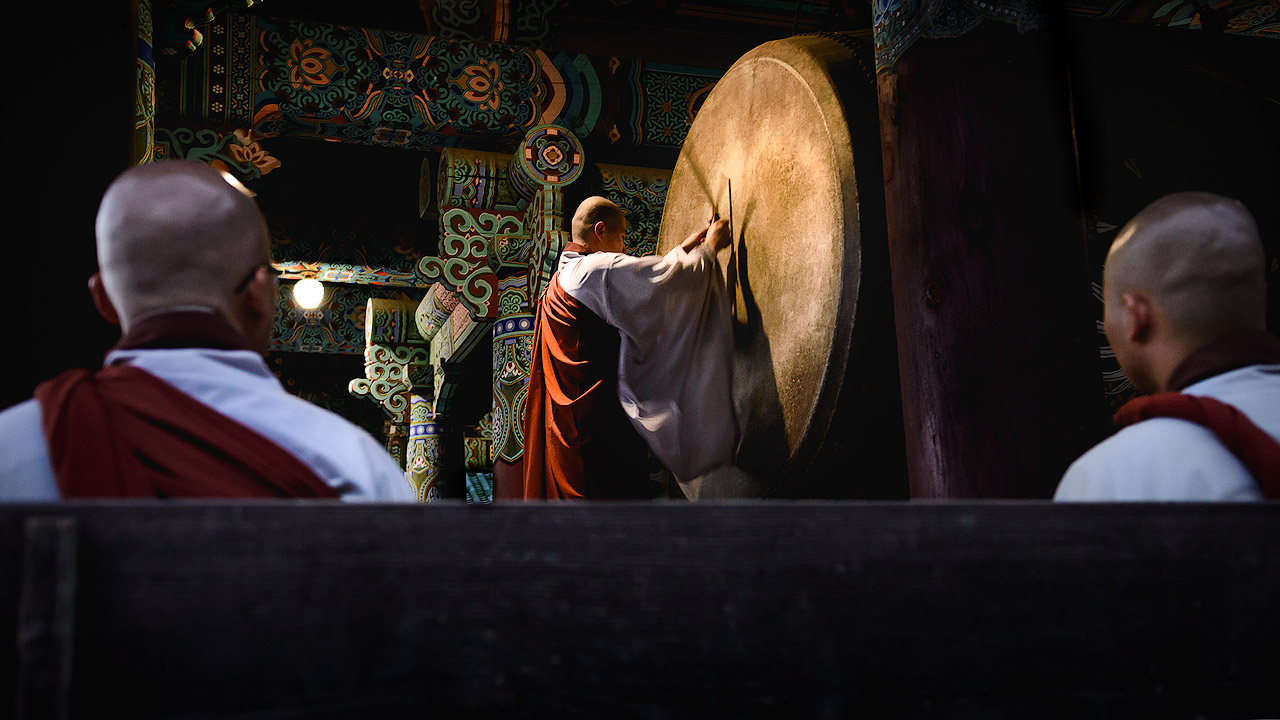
(1256, 450)
(122, 432)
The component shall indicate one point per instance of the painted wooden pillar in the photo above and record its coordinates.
(512, 355)
(478, 460)
(144, 113)
(548, 161)
(996, 347)
(457, 339)
(423, 453)
(477, 205)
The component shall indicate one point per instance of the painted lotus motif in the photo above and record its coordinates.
(246, 150)
(481, 84)
(309, 65)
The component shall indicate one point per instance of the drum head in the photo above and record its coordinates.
(775, 131)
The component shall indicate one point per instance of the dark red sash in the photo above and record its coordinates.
(122, 432)
(1256, 450)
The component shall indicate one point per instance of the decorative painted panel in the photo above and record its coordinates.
(549, 155)
(434, 311)
(386, 381)
(477, 445)
(395, 89)
(337, 326)
(545, 221)
(238, 152)
(477, 180)
(348, 274)
(525, 21)
(463, 260)
(369, 250)
(375, 87)
(480, 487)
(453, 342)
(899, 23)
(641, 193)
(390, 322)
(663, 101)
(1260, 18)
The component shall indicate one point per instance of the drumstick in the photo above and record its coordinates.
(730, 181)
(739, 310)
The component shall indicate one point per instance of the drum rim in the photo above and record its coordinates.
(816, 60)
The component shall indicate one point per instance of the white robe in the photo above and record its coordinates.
(1168, 459)
(676, 360)
(238, 384)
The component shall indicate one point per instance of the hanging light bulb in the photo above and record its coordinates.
(308, 293)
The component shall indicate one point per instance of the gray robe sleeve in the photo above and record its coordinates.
(676, 361)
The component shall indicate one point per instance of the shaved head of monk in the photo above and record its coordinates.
(1185, 271)
(599, 224)
(180, 235)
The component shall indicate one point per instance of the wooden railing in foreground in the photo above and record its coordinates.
(292, 610)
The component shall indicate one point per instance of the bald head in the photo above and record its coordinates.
(598, 223)
(1199, 258)
(176, 234)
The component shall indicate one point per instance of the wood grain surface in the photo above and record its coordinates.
(996, 348)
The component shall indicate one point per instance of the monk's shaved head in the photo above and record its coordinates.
(1199, 258)
(593, 210)
(176, 234)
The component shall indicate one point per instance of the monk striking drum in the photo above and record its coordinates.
(629, 351)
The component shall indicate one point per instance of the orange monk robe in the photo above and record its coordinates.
(578, 441)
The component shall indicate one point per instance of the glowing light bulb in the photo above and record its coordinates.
(308, 292)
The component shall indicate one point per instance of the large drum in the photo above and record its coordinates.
(791, 129)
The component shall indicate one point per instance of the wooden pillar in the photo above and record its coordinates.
(997, 352)
(422, 463)
(69, 133)
(512, 354)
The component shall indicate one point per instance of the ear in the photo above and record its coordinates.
(253, 310)
(260, 295)
(98, 292)
(1141, 316)
(599, 230)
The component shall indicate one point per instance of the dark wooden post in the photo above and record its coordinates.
(996, 348)
(66, 145)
